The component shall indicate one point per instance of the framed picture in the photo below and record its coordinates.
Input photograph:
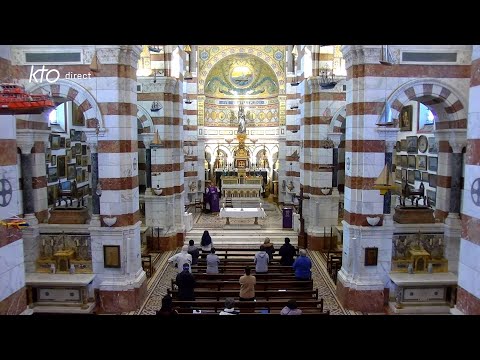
(406, 118)
(84, 160)
(53, 160)
(412, 161)
(71, 172)
(89, 168)
(398, 160)
(48, 155)
(68, 143)
(61, 166)
(422, 162)
(422, 144)
(84, 149)
(78, 159)
(84, 136)
(398, 146)
(403, 143)
(55, 143)
(78, 148)
(68, 155)
(432, 163)
(77, 136)
(411, 177)
(398, 174)
(432, 146)
(74, 151)
(72, 134)
(418, 175)
(425, 176)
(62, 142)
(404, 161)
(432, 197)
(111, 256)
(432, 180)
(78, 176)
(77, 116)
(52, 192)
(412, 144)
(52, 174)
(404, 174)
(84, 175)
(371, 256)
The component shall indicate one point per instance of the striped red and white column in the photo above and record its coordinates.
(13, 299)
(468, 293)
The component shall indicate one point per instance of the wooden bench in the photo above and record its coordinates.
(236, 276)
(240, 268)
(260, 285)
(248, 306)
(307, 313)
(147, 265)
(266, 295)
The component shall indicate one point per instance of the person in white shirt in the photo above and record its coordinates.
(181, 258)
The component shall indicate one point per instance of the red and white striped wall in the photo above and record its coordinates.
(468, 293)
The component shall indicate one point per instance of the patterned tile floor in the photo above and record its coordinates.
(158, 284)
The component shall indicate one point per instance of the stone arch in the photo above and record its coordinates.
(145, 120)
(450, 106)
(338, 120)
(72, 91)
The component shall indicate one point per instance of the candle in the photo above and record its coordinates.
(43, 242)
(76, 242)
(439, 241)
(431, 242)
(51, 242)
(396, 242)
(86, 242)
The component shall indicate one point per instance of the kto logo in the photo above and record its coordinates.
(51, 75)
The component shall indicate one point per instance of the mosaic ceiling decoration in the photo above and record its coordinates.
(241, 75)
(244, 69)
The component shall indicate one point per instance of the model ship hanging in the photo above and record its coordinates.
(327, 79)
(384, 182)
(156, 106)
(15, 100)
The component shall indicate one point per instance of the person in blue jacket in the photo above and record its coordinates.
(303, 266)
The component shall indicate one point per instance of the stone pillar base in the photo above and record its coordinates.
(14, 304)
(165, 242)
(95, 220)
(321, 243)
(467, 303)
(370, 301)
(117, 301)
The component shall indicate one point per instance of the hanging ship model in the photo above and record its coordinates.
(15, 100)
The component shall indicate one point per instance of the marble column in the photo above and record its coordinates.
(27, 186)
(457, 141)
(92, 142)
(390, 136)
(468, 289)
(147, 139)
(335, 137)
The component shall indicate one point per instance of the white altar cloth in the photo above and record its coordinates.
(242, 213)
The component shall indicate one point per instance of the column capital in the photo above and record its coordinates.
(390, 137)
(92, 137)
(457, 138)
(26, 139)
(335, 137)
(147, 139)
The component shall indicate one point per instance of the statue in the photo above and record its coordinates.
(242, 126)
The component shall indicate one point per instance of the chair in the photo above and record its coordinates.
(198, 205)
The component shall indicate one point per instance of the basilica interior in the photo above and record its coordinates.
(113, 157)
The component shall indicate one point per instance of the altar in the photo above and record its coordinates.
(242, 213)
(423, 293)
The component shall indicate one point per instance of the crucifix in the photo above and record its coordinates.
(302, 238)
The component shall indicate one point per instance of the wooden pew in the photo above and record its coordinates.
(308, 313)
(236, 276)
(263, 295)
(240, 268)
(275, 305)
(261, 285)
